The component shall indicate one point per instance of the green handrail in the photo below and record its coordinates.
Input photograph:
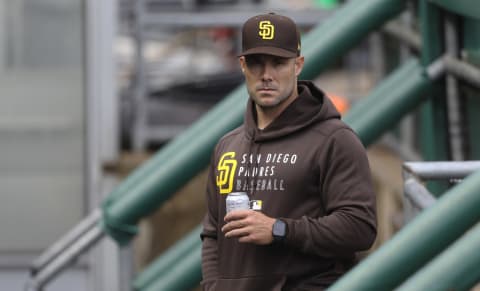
(184, 275)
(395, 97)
(163, 264)
(457, 268)
(426, 236)
(172, 167)
(348, 25)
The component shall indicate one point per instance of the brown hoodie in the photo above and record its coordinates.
(309, 169)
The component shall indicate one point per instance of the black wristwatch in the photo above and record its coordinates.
(279, 231)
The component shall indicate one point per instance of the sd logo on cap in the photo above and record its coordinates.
(267, 30)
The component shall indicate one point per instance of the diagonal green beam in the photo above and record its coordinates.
(467, 8)
(178, 161)
(162, 266)
(426, 236)
(183, 275)
(169, 169)
(348, 25)
(457, 268)
(403, 91)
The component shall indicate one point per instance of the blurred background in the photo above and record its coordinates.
(91, 90)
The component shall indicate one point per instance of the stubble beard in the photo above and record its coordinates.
(269, 107)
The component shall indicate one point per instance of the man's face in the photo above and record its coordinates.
(270, 80)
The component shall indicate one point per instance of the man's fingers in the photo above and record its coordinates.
(236, 215)
(236, 224)
(239, 232)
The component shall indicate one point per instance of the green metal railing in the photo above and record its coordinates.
(456, 268)
(465, 258)
(400, 93)
(172, 167)
(419, 241)
(158, 271)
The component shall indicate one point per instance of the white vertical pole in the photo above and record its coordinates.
(3, 35)
(103, 127)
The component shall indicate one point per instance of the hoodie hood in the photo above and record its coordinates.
(311, 107)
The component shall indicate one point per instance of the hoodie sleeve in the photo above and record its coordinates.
(209, 235)
(349, 224)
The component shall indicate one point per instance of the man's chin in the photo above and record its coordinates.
(267, 104)
(266, 98)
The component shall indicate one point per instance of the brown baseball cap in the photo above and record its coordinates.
(270, 34)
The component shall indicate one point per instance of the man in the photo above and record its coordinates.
(296, 159)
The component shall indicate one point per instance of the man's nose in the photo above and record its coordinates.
(267, 71)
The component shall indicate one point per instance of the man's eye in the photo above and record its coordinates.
(252, 62)
(280, 61)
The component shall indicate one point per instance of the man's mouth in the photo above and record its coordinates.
(265, 89)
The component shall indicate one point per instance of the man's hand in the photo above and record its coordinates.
(249, 226)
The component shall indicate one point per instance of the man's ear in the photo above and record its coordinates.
(299, 62)
(242, 62)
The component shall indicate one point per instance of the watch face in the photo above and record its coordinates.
(279, 228)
